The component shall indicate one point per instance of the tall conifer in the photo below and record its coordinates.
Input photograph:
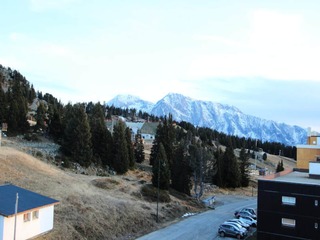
(160, 170)
(120, 161)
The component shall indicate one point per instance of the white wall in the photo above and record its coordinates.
(1, 226)
(147, 136)
(314, 168)
(26, 230)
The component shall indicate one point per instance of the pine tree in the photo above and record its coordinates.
(76, 141)
(159, 137)
(101, 137)
(181, 172)
(166, 135)
(231, 171)
(130, 149)
(3, 103)
(264, 157)
(244, 168)
(218, 177)
(41, 116)
(280, 167)
(169, 138)
(120, 161)
(139, 149)
(160, 170)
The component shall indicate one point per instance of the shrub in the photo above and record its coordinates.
(150, 193)
(31, 137)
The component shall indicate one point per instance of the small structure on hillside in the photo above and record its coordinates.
(24, 214)
(209, 202)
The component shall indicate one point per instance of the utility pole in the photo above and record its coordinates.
(158, 190)
(15, 216)
(255, 156)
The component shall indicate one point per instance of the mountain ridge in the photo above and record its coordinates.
(221, 117)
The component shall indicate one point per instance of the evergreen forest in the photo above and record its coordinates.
(182, 155)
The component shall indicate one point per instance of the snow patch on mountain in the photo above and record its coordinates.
(130, 101)
(217, 116)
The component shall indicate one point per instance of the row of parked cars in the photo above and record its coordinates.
(238, 227)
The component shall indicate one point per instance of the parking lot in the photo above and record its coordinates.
(251, 230)
(205, 226)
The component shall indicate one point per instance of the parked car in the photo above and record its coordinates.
(241, 223)
(227, 229)
(246, 214)
(249, 220)
(250, 210)
(236, 225)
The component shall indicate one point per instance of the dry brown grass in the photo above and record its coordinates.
(94, 207)
(90, 207)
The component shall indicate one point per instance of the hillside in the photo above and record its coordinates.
(93, 207)
(90, 207)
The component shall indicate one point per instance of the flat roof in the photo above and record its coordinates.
(295, 177)
(308, 146)
(27, 200)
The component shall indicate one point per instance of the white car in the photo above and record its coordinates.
(241, 223)
(236, 225)
(249, 221)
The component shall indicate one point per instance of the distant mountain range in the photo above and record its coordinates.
(220, 117)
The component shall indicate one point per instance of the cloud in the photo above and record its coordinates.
(274, 45)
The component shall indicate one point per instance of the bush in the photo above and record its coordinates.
(31, 137)
(39, 154)
(150, 193)
(65, 162)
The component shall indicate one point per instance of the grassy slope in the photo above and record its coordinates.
(97, 207)
(91, 207)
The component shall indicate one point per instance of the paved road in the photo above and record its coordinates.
(205, 225)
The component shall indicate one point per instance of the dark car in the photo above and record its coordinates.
(245, 214)
(250, 210)
(228, 229)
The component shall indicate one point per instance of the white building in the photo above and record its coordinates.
(34, 216)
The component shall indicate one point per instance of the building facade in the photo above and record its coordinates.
(34, 215)
(289, 207)
(308, 152)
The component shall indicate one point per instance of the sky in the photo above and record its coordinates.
(259, 56)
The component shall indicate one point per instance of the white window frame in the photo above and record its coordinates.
(35, 214)
(286, 200)
(27, 217)
(288, 222)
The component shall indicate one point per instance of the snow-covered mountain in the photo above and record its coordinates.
(220, 117)
(129, 101)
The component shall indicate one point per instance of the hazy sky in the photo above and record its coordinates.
(260, 56)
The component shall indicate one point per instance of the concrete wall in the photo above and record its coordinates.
(29, 229)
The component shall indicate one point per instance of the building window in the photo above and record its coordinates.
(287, 222)
(26, 217)
(35, 214)
(288, 200)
